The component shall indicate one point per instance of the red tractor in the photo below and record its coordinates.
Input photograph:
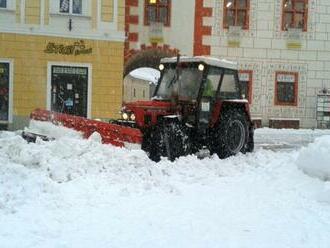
(197, 104)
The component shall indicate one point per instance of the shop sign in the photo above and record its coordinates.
(286, 78)
(234, 36)
(77, 48)
(294, 38)
(156, 32)
(70, 70)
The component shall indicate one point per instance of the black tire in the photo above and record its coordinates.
(169, 139)
(250, 143)
(231, 136)
(152, 143)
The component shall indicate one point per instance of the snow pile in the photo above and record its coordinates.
(73, 192)
(314, 159)
(50, 130)
(324, 194)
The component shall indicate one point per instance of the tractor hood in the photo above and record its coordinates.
(154, 104)
(148, 112)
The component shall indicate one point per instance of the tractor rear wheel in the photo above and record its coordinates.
(232, 134)
(169, 139)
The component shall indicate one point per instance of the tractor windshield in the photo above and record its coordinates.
(183, 83)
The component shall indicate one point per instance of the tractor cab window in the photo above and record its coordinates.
(183, 83)
(212, 82)
(209, 94)
(229, 86)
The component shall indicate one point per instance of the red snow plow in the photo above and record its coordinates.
(113, 134)
(197, 104)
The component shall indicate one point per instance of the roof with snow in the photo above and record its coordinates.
(204, 59)
(147, 74)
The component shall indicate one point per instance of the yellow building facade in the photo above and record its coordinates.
(60, 55)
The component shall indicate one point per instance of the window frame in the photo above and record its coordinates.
(295, 88)
(294, 12)
(10, 88)
(71, 9)
(6, 3)
(236, 10)
(158, 5)
(89, 87)
(250, 73)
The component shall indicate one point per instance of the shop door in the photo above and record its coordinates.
(4, 92)
(69, 90)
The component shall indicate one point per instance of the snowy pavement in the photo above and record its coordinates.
(284, 139)
(79, 193)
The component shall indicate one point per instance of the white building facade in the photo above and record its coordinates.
(282, 47)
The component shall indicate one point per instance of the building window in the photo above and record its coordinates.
(4, 92)
(236, 13)
(245, 78)
(69, 90)
(286, 88)
(71, 6)
(134, 92)
(3, 3)
(294, 14)
(157, 11)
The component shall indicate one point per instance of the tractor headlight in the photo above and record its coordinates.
(124, 116)
(201, 67)
(132, 117)
(161, 67)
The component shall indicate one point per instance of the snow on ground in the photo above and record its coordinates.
(79, 193)
(315, 159)
(286, 139)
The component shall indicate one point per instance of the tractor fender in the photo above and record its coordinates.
(222, 106)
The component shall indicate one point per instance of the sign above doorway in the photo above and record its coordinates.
(77, 48)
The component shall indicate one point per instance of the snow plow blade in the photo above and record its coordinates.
(111, 133)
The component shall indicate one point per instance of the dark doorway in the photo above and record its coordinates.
(4, 92)
(69, 90)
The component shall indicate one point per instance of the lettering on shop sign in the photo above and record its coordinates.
(77, 48)
(287, 78)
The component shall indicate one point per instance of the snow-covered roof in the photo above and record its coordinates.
(204, 59)
(146, 73)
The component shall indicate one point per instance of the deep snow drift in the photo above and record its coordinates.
(315, 159)
(79, 193)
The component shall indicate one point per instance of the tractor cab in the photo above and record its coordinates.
(197, 85)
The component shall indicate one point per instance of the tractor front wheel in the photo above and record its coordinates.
(169, 139)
